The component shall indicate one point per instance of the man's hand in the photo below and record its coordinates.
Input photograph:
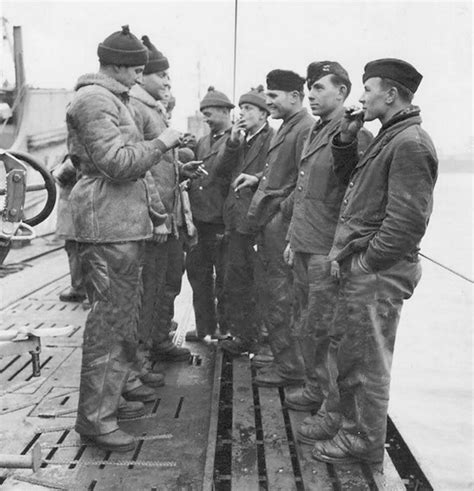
(238, 131)
(289, 255)
(170, 137)
(193, 169)
(351, 123)
(160, 234)
(244, 181)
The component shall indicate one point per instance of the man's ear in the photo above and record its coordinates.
(392, 94)
(294, 96)
(343, 92)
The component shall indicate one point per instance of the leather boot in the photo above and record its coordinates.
(167, 351)
(271, 378)
(117, 441)
(130, 409)
(142, 393)
(336, 451)
(153, 379)
(311, 433)
(194, 337)
(264, 357)
(72, 295)
(236, 346)
(299, 401)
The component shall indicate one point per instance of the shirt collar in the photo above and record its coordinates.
(248, 138)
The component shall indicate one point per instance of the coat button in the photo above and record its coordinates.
(300, 188)
(263, 178)
(302, 173)
(200, 188)
(351, 184)
(346, 201)
(343, 219)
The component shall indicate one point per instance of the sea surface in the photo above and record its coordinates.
(432, 377)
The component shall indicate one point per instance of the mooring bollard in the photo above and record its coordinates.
(31, 461)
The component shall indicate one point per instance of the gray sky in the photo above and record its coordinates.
(60, 43)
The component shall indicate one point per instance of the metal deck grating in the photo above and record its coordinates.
(258, 451)
(209, 428)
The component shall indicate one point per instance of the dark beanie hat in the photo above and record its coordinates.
(320, 69)
(398, 70)
(157, 62)
(122, 48)
(284, 80)
(214, 98)
(255, 97)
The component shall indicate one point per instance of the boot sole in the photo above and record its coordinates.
(261, 364)
(154, 385)
(149, 398)
(124, 417)
(167, 357)
(349, 459)
(288, 383)
(112, 448)
(72, 299)
(311, 441)
(297, 407)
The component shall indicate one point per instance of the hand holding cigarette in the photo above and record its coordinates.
(351, 123)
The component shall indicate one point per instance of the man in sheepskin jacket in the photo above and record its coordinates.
(111, 213)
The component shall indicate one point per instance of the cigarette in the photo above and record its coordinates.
(204, 171)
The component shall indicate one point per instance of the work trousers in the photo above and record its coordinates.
(112, 275)
(275, 294)
(162, 277)
(72, 249)
(314, 307)
(205, 266)
(362, 340)
(239, 287)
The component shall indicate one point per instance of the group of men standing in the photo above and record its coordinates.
(307, 237)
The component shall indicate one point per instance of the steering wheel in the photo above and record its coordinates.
(48, 184)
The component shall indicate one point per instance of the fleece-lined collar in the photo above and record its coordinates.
(104, 81)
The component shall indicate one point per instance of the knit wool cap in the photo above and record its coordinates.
(157, 61)
(320, 69)
(398, 70)
(122, 48)
(256, 97)
(284, 80)
(214, 98)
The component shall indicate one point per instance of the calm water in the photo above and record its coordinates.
(431, 398)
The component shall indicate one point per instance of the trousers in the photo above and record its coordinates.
(314, 307)
(162, 277)
(77, 282)
(239, 287)
(362, 339)
(275, 293)
(112, 278)
(205, 266)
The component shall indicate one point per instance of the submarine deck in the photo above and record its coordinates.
(209, 428)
